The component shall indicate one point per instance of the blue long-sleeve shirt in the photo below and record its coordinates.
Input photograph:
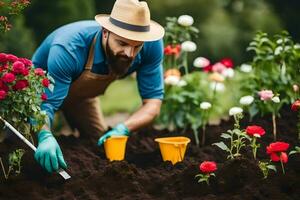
(64, 54)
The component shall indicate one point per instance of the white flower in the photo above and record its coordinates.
(201, 62)
(182, 83)
(228, 72)
(205, 105)
(188, 46)
(185, 20)
(276, 99)
(278, 50)
(172, 80)
(279, 41)
(220, 87)
(235, 111)
(246, 68)
(297, 46)
(246, 100)
(256, 135)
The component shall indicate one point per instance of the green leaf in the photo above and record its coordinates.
(226, 136)
(221, 145)
(272, 167)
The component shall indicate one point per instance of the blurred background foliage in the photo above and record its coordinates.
(226, 26)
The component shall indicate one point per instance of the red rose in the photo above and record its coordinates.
(277, 147)
(3, 86)
(8, 77)
(207, 68)
(253, 130)
(3, 58)
(2, 94)
(11, 58)
(227, 62)
(168, 50)
(283, 156)
(20, 85)
(25, 72)
(46, 82)
(44, 97)
(208, 166)
(18, 67)
(296, 105)
(25, 61)
(39, 72)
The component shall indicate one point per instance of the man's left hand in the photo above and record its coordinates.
(118, 130)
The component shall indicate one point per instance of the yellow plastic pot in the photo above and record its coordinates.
(173, 148)
(115, 147)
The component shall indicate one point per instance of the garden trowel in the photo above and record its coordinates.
(62, 172)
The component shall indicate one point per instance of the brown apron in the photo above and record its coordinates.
(81, 107)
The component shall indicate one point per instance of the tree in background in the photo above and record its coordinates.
(44, 16)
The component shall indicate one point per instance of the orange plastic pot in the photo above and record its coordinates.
(173, 148)
(115, 147)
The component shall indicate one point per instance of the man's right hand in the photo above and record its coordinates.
(48, 153)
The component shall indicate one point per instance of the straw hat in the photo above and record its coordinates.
(131, 19)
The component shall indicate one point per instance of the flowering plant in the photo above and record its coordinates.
(273, 66)
(254, 132)
(236, 136)
(9, 8)
(22, 90)
(277, 151)
(207, 168)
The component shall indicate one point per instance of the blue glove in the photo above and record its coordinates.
(118, 130)
(48, 153)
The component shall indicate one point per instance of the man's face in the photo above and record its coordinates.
(120, 52)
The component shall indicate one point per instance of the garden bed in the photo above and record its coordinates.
(144, 176)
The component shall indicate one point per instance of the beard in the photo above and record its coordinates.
(118, 64)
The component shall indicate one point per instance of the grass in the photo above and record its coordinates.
(121, 96)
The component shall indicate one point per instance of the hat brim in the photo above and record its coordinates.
(156, 31)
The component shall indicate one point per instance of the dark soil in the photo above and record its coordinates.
(143, 175)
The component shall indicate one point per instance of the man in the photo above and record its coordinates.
(84, 58)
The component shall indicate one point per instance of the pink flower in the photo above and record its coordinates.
(25, 72)
(20, 85)
(11, 58)
(44, 97)
(3, 58)
(18, 67)
(8, 77)
(46, 82)
(265, 95)
(39, 72)
(218, 67)
(25, 61)
(3, 86)
(2, 94)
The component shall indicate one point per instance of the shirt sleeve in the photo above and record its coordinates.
(150, 74)
(61, 67)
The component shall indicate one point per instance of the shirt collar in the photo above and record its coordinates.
(99, 53)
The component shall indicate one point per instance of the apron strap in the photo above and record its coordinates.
(90, 61)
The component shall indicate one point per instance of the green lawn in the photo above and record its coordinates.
(121, 96)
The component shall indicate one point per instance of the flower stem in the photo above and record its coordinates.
(274, 126)
(203, 135)
(254, 148)
(282, 166)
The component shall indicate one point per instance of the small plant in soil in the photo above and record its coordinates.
(14, 163)
(254, 132)
(265, 168)
(277, 152)
(207, 169)
(237, 137)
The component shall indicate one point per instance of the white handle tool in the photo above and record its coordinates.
(62, 172)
